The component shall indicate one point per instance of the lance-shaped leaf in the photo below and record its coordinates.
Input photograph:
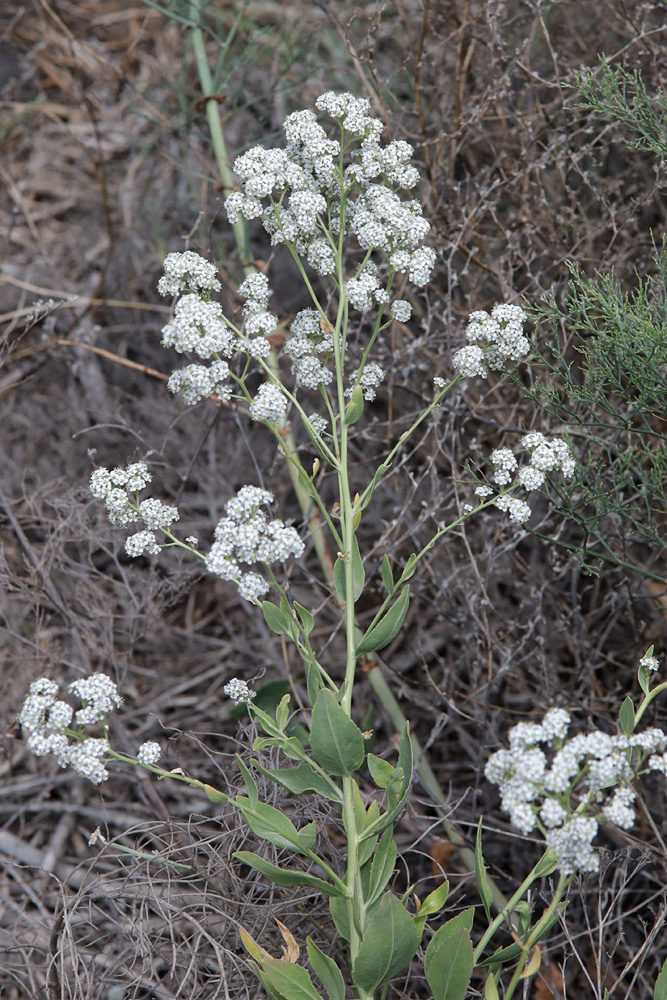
(305, 617)
(433, 903)
(341, 916)
(626, 716)
(337, 743)
(381, 771)
(387, 628)
(326, 971)
(279, 619)
(303, 780)
(285, 877)
(389, 944)
(448, 963)
(387, 575)
(382, 866)
(289, 981)
(270, 824)
(481, 876)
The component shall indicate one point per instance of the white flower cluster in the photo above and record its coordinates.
(187, 270)
(554, 783)
(149, 753)
(547, 455)
(238, 691)
(247, 536)
(49, 723)
(371, 377)
(259, 322)
(112, 487)
(195, 382)
(199, 327)
(492, 341)
(306, 191)
(650, 663)
(307, 341)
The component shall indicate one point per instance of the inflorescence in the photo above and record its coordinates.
(567, 787)
(245, 536)
(311, 200)
(54, 727)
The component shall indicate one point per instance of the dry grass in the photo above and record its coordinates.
(104, 166)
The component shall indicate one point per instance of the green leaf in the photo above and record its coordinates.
(291, 981)
(279, 619)
(337, 743)
(283, 876)
(366, 848)
(387, 628)
(546, 865)
(626, 716)
(433, 903)
(314, 682)
(481, 876)
(291, 746)
(249, 782)
(358, 573)
(355, 407)
(409, 570)
(382, 866)
(272, 825)
(379, 473)
(381, 771)
(490, 988)
(448, 964)
(282, 712)
(305, 617)
(326, 971)
(303, 780)
(387, 575)
(341, 917)
(660, 991)
(388, 945)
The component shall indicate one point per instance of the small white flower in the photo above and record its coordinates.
(149, 753)
(238, 691)
(269, 404)
(100, 696)
(187, 270)
(469, 361)
(401, 310)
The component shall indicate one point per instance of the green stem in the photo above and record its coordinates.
(217, 135)
(534, 936)
(648, 699)
(506, 910)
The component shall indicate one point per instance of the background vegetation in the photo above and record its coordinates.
(536, 183)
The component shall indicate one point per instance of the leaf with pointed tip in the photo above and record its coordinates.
(448, 964)
(337, 743)
(326, 971)
(387, 628)
(303, 780)
(481, 876)
(283, 876)
(388, 945)
(290, 981)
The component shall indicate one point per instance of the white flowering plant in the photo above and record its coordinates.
(340, 206)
